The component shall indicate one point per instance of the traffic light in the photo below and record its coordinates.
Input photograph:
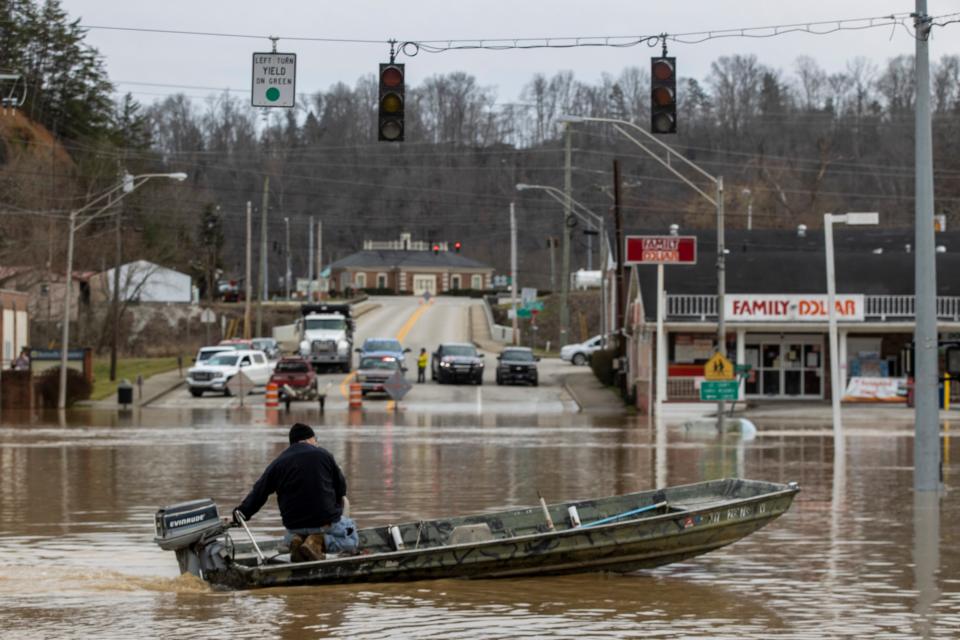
(663, 95)
(456, 246)
(436, 249)
(391, 103)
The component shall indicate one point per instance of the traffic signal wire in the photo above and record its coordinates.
(411, 48)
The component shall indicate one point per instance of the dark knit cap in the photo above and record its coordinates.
(300, 432)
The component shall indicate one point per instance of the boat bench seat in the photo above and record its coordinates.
(470, 533)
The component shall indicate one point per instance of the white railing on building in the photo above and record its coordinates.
(682, 388)
(402, 245)
(880, 307)
(701, 307)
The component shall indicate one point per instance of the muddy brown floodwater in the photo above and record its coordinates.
(855, 556)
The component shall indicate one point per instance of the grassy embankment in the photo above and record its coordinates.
(128, 368)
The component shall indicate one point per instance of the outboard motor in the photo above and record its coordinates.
(189, 528)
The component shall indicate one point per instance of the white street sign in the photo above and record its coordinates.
(397, 386)
(528, 295)
(207, 316)
(240, 385)
(274, 79)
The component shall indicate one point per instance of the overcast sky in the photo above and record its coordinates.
(225, 62)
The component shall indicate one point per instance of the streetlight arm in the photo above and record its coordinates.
(563, 198)
(666, 165)
(670, 150)
(138, 181)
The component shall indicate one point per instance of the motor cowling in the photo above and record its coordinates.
(180, 525)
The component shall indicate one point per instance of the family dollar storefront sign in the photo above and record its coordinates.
(791, 307)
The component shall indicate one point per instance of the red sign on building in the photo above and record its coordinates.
(661, 250)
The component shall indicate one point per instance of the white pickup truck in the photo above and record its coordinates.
(214, 373)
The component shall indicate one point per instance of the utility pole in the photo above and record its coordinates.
(115, 311)
(567, 219)
(310, 263)
(262, 285)
(513, 270)
(289, 273)
(247, 285)
(618, 235)
(927, 469)
(319, 252)
(721, 291)
(552, 245)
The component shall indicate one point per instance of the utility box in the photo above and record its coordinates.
(125, 393)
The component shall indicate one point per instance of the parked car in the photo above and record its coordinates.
(237, 343)
(453, 362)
(579, 354)
(384, 345)
(517, 364)
(296, 373)
(206, 353)
(268, 345)
(375, 368)
(217, 370)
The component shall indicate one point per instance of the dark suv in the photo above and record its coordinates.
(455, 362)
(517, 364)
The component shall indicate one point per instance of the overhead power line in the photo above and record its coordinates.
(411, 48)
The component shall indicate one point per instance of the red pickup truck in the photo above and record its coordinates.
(296, 374)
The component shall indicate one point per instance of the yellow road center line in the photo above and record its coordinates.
(345, 384)
(401, 334)
(412, 320)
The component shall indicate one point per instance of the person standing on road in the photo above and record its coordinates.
(422, 366)
(311, 493)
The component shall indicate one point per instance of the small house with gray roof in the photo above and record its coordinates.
(408, 266)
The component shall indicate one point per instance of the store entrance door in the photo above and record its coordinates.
(785, 366)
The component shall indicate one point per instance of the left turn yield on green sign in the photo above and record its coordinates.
(274, 81)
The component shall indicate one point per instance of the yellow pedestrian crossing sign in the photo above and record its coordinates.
(718, 368)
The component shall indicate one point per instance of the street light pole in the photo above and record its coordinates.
(749, 195)
(579, 210)
(128, 185)
(837, 378)
(828, 220)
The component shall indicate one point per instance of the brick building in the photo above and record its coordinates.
(407, 266)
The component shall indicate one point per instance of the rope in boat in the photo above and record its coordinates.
(625, 514)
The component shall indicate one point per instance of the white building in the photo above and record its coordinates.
(144, 281)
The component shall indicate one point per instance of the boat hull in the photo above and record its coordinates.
(694, 520)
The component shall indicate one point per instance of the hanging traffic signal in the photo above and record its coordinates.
(436, 249)
(456, 246)
(391, 103)
(663, 95)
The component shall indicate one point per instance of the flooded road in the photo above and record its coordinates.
(855, 555)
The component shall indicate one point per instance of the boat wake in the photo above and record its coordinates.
(26, 581)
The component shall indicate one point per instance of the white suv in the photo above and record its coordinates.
(217, 370)
(580, 353)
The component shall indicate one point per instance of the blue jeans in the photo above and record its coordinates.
(339, 537)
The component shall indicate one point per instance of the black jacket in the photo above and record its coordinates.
(309, 487)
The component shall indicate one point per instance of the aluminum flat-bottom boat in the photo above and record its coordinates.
(618, 534)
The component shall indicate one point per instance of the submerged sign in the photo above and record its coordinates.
(792, 307)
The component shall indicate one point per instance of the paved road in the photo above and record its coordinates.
(417, 324)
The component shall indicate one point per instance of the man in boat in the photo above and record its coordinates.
(311, 493)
